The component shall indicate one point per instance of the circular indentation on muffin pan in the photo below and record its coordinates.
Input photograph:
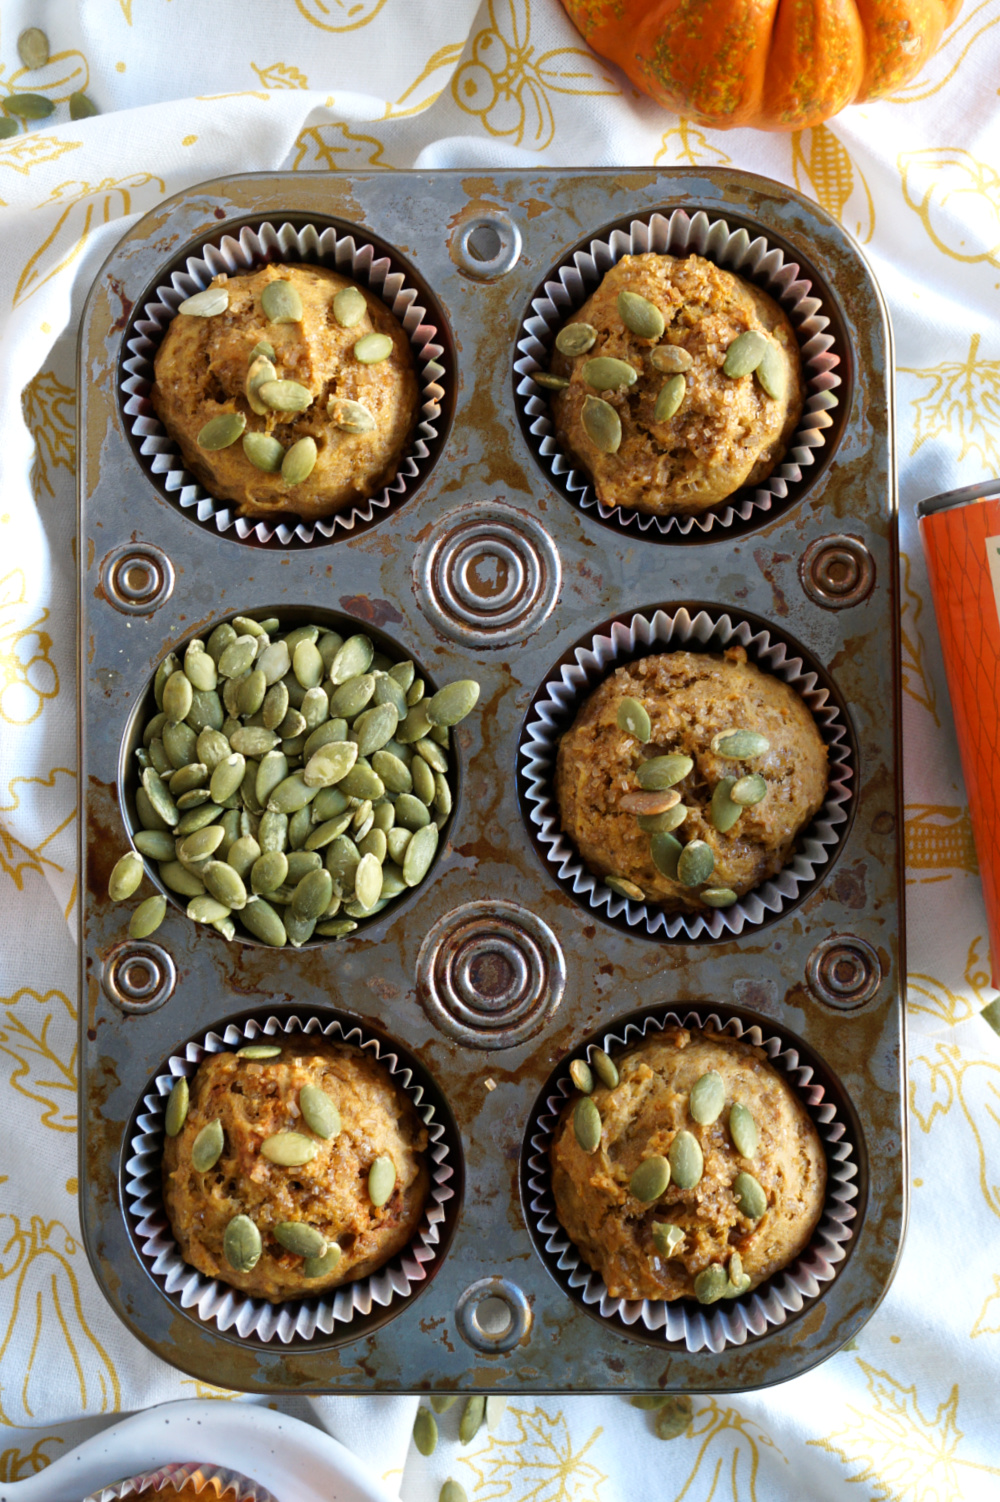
(487, 575)
(758, 255)
(347, 1312)
(137, 578)
(290, 616)
(493, 1315)
(247, 245)
(490, 974)
(486, 247)
(837, 571)
(684, 1322)
(138, 976)
(844, 972)
(690, 628)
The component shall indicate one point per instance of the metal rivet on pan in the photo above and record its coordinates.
(490, 974)
(139, 976)
(844, 972)
(487, 246)
(488, 575)
(137, 578)
(837, 571)
(493, 1315)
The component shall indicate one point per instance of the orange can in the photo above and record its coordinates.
(961, 537)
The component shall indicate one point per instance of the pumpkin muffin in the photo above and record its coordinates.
(686, 778)
(684, 384)
(293, 1172)
(186, 1493)
(698, 1175)
(288, 389)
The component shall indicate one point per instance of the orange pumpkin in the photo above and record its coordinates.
(773, 64)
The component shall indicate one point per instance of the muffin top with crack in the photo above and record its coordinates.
(676, 383)
(287, 389)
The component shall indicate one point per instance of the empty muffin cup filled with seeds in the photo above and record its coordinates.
(290, 781)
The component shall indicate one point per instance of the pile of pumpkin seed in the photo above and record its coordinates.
(659, 811)
(296, 783)
(476, 1411)
(683, 1166)
(242, 1243)
(750, 354)
(34, 51)
(673, 1414)
(278, 400)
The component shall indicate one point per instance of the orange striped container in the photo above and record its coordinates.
(961, 537)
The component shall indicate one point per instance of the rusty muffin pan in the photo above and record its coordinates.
(493, 973)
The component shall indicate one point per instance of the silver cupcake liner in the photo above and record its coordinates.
(232, 256)
(787, 1292)
(208, 1481)
(571, 684)
(229, 1309)
(679, 235)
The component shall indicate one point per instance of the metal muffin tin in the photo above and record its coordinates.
(491, 974)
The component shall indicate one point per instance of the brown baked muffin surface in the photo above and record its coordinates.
(259, 1101)
(202, 371)
(658, 1249)
(608, 804)
(727, 431)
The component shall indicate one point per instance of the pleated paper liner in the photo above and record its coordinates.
(209, 1483)
(232, 255)
(568, 288)
(684, 1321)
(562, 694)
(227, 1308)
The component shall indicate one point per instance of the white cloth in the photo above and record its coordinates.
(189, 92)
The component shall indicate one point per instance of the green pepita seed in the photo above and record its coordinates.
(372, 349)
(670, 358)
(237, 658)
(206, 909)
(442, 796)
(322, 835)
(740, 745)
(423, 781)
(312, 896)
(29, 106)
(154, 843)
(749, 1196)
(193, 799)
(351, 417)
(147, 917)
(224, 883)
(243, 855)
(723, 812)
(708, 1096)
(281, 302)
(607, 374)
(441, 1402)
(288, 1149)
(393, 772)
(496, 1407)
(300, 863)
(321, 1267)
(274, 662)
(634, 720)
(81, 107)
(300, 1239)
(415, 727)
(33, 48)
(271, 772)
(197, 818)
(319, 1112)
(201, 670)
(453, 702)
(201, 844)
(264, 452)
(673, 1418)
(374, 728)
(580, 1074)
(425, 1431)
(207, 304)
(710, 1285)
(743, 1130)
(647, 1402)
(219, 432)
(268, 872)
(748, 791)
(8, 128)
(307, 664)
(227, 777)
(330, 764)
(267, 351)
(242, 1244)
(254, 1051)
(431, 752)
(352, 659)
(472, 1418)
(415, 692)
(285, 396)
(291, 795)
(575, 339)
(419, 854)
(179, 879)
(605, 1068)
(351, 697)
(623, 888)
(368, 880)
(640, 316)
(666, 851)
(695, 863)
(452, 1490)
(126, 877)
(397, 840)
(176, 1111)
(178, 694)
(299, 461)
(687, 1161)
(548, 381)
(179, 742)
(718, 897)
(263, 922)
(662, 772)
(381, 1180)
(771, 371)
(206, 1149)
(587, 1124)
(349, 307)
(670, 819)
(650, 1179)
(744, 354)
(666, 1237)
(222, 637)
(601, 424)
(337, 928)
(671, 395)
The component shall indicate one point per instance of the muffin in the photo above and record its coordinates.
(684, 384)
(300, 399)
(186, 1493)
(296, 1167)
(702, 1174)
(686, 778)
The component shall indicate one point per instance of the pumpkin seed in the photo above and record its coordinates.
(743, 1130)
(8, 128)
(393, 772)
(178, 694)
(496, 1407)
(669, 359)
(634, 720)
(300, 1239)
(155, 843)
(650, 1179)
(749, 1196)
(207, 304)
(425, 1431)
(415, 692)
(224, 883)
(319, 1112)
(671, 395)
(312, 896)
(664, 771)
(687, 1161)
(771, 371)
(472, 1418)
(274, 662)
(442, 795)
(602, 424)
(265, 350)
(288, 1149)
(219, 432)
(299, 461)
(179, 741)
(271, 773)
(197, 818)
(381, 1180)
(259, 1051)
(388, 691)
(647, 1402)
(243, 855)
(351, 696)
(180, 880)
(321, 1267)
(368, 880)
(147, 917)
(307, 664)
(264, 452)
(126, 877)
(227, 777)
(33, 48)
(176, 1110)
(415, 727)
(206, 909)
(242, 1244)
(291, 795)
(397, 840)
(338, 928)
(674, 1418)
(263, 922)
(453, 702)
(451, 1490)
(666, 851)
(268, 872)
(695, 863)
(373, 728)
(29, 106)
(201, 844)
(718, 896)
(321, 836)
(419, 854)
(649, 803)
(748, 791)
(206, 1149)
(440, 1403)
(605, 1068)
(351, 417)
(353, 658)
(372, 349)
(580, 1074)
(723, 812)
(548, 381)
(201, 670)
(587, 1125)
(640, 316)
(285, 396)
(349, 306)
(281, 302)
(740, 745)
(744, 354)
(670, 819)
(300, 863)
(423, 781)
(625, 888)
(604, 373)
(330, 764)
(710, 1285)
(237, 657)
(575, 339)
(666, 1237)
(708, 1096)
(431, 752)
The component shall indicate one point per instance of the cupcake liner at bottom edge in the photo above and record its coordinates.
(206, 1481)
